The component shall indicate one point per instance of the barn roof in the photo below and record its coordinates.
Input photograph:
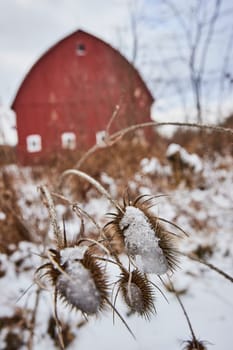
(70, 93)
(57, 44)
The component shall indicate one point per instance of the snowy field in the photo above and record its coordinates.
(204, 212)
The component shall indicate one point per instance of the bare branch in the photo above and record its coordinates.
(92, 181)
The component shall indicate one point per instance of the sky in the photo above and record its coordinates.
(28, 28)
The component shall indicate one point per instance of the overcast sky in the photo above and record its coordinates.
(29, 27)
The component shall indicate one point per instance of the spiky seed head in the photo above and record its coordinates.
(195, 345)
(143, 236)
(78, 278)
(137, 292)
(99, 277)
(47, 272)
(83, 285)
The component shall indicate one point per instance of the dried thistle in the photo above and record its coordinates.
(77, 278)
(144, 237)
(137, 292)
(195, 345)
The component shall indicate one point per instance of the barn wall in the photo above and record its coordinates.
(74, 88)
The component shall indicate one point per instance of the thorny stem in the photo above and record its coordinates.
(184, 311)
(53, 216)
(211, 266)
(92, 181)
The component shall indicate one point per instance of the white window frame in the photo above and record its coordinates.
(68, 140)
(101, 138)
(34, 143)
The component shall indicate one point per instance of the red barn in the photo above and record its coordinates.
(69, 95)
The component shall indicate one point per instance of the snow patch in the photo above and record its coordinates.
(191, 160)
(106, 179)
(152, 166)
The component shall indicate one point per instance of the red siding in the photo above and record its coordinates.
(68, 92)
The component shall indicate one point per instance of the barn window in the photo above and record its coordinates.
(68, 140)
(101, 138)
(81, 49)
(34, 143)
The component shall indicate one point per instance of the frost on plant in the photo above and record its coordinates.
(142, 242)
(78, 288)
(72, 254)
(77, 278)
(77, 270)
(145, 240)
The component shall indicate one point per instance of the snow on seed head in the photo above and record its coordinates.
(142, 242)
(72, 253)
(83, 285)
(143, 237)
(78, 288)
(77, 278)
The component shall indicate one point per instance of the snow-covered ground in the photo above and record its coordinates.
(204, 212)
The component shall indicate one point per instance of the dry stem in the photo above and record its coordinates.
(211, 266)
(92, 181)
(117, 136)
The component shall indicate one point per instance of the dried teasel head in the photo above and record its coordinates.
(144, 237)
(195, 345)
(137, 292)
(77, 277)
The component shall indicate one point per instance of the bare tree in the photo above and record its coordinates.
(183, 50)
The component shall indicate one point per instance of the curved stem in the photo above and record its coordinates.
(115, 137)
(184, 311)
(131, 128)
(97, 243)
(91, 150)
(92, 181)
(211, 266)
